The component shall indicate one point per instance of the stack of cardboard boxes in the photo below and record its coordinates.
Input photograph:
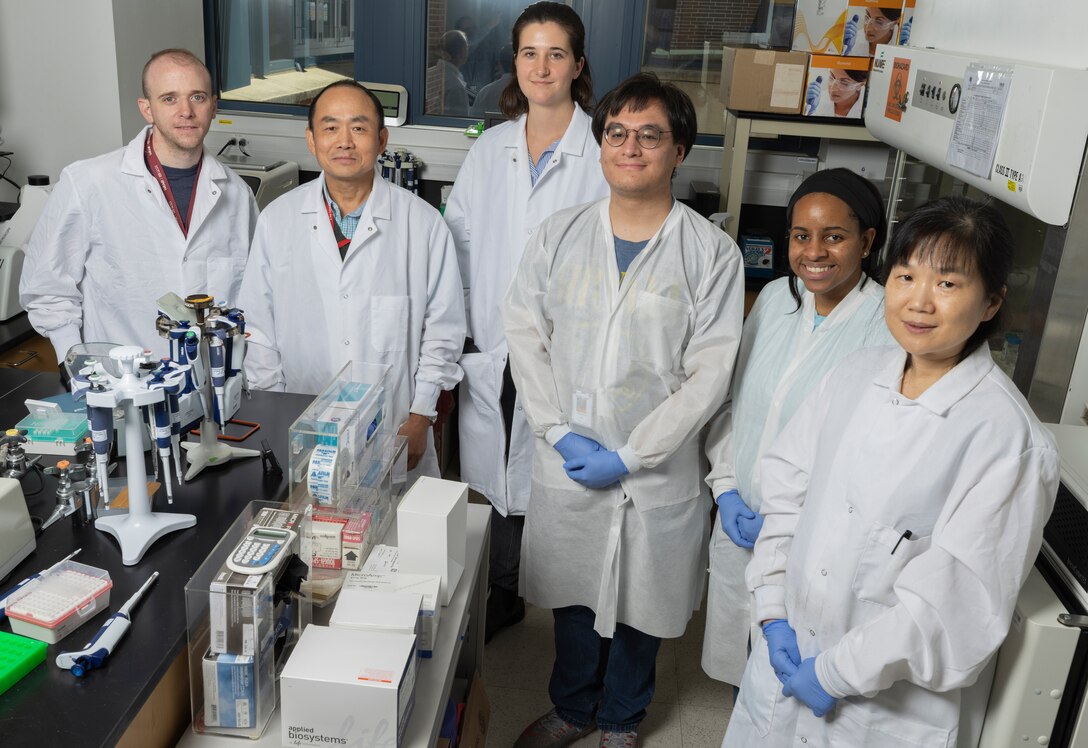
(826, 72)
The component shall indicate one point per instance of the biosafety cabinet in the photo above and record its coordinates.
(1013, 133)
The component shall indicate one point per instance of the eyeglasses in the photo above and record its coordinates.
(882, 24)
(648, 137)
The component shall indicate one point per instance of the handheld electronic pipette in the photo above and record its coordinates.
(7, 595)
(105, 640)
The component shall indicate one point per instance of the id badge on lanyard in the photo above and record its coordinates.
(155, 166)
(581, 413)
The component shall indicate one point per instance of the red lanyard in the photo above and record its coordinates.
(159, 173)
(342, 241)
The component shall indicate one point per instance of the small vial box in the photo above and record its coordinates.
(18, 656)
(59, 601)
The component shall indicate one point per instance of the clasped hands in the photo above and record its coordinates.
(588, 463)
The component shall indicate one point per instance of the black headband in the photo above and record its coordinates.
(854, 190)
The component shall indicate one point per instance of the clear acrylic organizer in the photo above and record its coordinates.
(242, 628)
(334, 444)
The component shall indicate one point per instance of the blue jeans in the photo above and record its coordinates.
(610, 679)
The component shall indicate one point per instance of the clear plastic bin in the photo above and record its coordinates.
(331, 444)
(340, 539)
(241, 630)
(59, 601)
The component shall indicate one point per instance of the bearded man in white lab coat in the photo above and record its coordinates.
(623, 324)
(123, 229)
(350, 267)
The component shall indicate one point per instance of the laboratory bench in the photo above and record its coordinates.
(50, 706)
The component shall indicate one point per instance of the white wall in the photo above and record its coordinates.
(141, 28)
(58, 83)
(70, 74)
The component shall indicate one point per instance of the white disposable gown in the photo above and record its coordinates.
(107, 247)
(493, 210)
(901, 626)
(649, 362)
(782, 357)
(395, 299)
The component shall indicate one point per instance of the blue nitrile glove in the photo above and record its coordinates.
(596, 469)
(805, 687)
(782, 647)
(575, 445)
(740, 523)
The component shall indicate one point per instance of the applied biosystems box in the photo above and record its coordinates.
(347, 687)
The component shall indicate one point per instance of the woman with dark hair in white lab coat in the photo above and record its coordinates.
(904, 505)
(516, 175)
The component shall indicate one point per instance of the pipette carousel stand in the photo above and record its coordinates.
(212, 374)
(136, 531)
(209, 450)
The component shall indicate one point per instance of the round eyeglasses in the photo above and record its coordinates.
(648, 137)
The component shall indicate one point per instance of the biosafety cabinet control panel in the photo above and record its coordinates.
(937, 93)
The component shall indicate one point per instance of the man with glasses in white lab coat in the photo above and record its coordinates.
(623, 323)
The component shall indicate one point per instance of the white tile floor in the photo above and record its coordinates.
(689, 710)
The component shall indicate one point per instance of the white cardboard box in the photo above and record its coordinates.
(347, 687)
(380, 611)
(426, 585)
(431, 531)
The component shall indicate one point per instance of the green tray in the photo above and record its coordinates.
(18, 656)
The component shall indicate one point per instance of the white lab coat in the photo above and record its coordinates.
(781, 359)
(395, 299)
(653, 358)
(492, 211)
(107, 246)
(901, 628)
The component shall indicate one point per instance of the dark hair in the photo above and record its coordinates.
(346, 83)
(512, 102)
(865, 203)
(179, 56)
(862, 76)
(957, 232)
(892, 14)
(640, 91)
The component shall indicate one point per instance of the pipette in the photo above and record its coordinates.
(105, 640)
(101, 422)
(31, 578)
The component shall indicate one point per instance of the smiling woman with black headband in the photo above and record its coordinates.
(800, 327)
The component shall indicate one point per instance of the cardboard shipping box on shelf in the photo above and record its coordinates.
(763, 80)
(477, 716)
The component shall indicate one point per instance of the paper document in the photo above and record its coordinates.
(981, 112)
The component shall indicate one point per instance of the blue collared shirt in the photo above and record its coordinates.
(347, 223)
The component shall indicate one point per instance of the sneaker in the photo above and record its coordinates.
(504, 609)
(619, 739)
(551, 731)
